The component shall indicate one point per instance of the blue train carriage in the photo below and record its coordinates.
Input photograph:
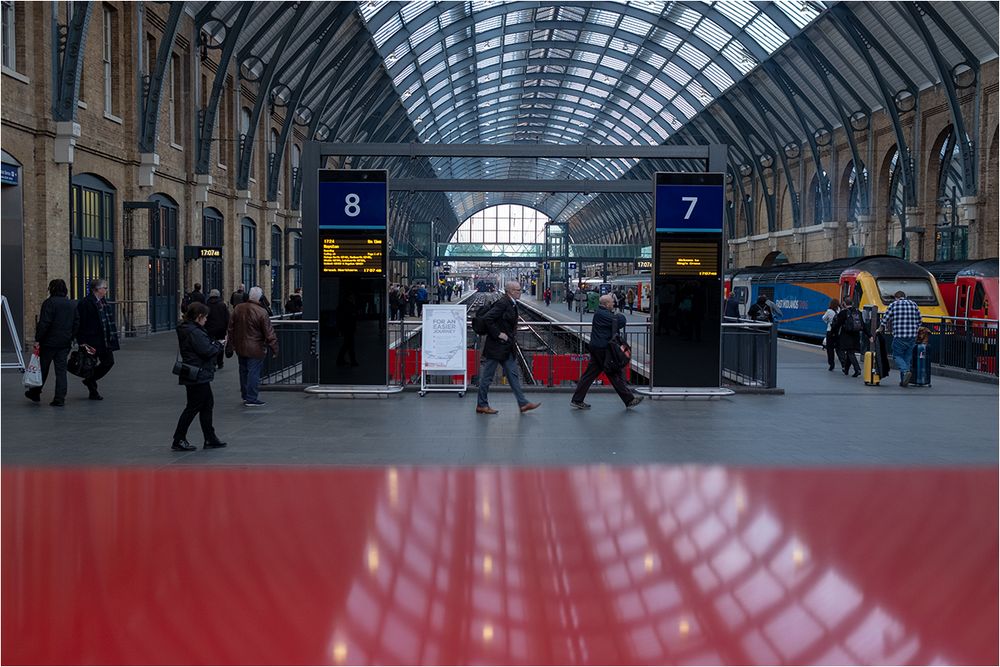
(803, 291)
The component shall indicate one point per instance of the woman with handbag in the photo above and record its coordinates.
(604, 332)
(195, 368)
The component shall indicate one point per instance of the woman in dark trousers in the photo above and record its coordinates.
(606, 324)
(57, 326)
(198, 350)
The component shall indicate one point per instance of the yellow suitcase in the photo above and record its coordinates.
(871, 369)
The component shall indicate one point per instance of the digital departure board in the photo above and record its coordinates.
(688, 259)
(346, 254)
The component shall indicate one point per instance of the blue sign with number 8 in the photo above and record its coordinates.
(347, 205)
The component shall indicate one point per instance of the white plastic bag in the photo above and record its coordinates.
(33, 371)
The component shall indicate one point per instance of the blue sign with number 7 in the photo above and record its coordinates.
(689, 208)
(350, 205)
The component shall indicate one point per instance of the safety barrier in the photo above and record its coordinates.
(750, 353)
(965, 343)
(553, 354)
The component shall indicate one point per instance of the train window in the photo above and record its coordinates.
(859, 293)
(845, 291)
(979, 297)
(918, 290)
(741, 294)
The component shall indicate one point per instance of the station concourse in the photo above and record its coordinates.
(345, 159)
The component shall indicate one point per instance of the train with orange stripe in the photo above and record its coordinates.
(802, 292)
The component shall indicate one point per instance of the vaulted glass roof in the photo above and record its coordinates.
(621, 73)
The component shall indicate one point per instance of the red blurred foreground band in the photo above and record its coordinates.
(589, 565)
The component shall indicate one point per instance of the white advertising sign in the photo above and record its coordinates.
(444, 339)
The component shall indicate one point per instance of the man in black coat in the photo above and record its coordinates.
(57, 326)
(848, 335)
(605, 326)
(98, 332)
(239, 296)
(217, 323)
(501, 325)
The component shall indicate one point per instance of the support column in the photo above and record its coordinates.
(67, 132)
(241, 203)
(148, 162)
(202, 183)
(915, 235)
(862, 234)
(968, 212)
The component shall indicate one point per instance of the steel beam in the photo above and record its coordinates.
(69, 63)
(585, 151)
(153, 90)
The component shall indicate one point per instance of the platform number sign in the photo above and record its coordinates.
(692, 203)
(352, 199)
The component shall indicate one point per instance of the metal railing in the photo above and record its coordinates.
(297, 362)
(132, 318)
(551, 354)
(750, 353)
(965, 343)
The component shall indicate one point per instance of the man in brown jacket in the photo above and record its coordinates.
(250, 334)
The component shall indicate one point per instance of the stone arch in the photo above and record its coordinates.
(774, 257)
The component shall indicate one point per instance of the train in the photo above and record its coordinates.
(969, 287)
(639, 283)
(803, 291)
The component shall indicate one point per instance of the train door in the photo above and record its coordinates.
(963, 287)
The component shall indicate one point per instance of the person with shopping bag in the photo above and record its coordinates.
(58, 323)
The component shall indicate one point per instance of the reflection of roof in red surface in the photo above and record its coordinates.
(591, 565)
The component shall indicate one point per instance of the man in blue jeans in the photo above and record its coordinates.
(501, 324)
(902, 320)
(250, 335)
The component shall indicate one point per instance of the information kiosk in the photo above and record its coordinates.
(687, 284)
(352, 215)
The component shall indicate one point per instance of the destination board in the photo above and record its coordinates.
(688, 259)
(340, 254)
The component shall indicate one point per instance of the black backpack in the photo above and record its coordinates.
(479, 318)
(853, 322)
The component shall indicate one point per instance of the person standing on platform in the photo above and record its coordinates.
(250, 335)
(829, 341)
(239, 296)
(733, 307)
(98, 333)
(606, 325)
(569, 298)
(846, 328)
(217, 324)
(199, 352)
(293, 306)
(58, 322)
(902, 320)
(451, 291)
(422, 299)
(761, 311)
(630, 298)
(548, 296)
(501, 324)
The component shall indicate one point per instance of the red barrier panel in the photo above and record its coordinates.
(565, 367)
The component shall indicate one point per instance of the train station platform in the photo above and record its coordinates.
(834, 524)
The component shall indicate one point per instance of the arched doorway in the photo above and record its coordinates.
(12, 259)
(164, 277)
(92, 227)
(211, 235)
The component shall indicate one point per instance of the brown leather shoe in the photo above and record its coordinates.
(486, 410)
(529, 406)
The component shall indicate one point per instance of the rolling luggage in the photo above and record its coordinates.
(920, 367)
(870, 373)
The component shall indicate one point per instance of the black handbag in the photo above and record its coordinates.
(81, 363)
(186, 371)
(619, 353)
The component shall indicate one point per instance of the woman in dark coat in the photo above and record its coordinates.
(199, 353)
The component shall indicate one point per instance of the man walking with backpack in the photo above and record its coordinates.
(846, 327)
(500, 322)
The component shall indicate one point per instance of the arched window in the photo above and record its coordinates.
(211, 235)
(248, 236)
(276, 263)
(245, 117)
(295, 257)
(273, 153)
(92, 248)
